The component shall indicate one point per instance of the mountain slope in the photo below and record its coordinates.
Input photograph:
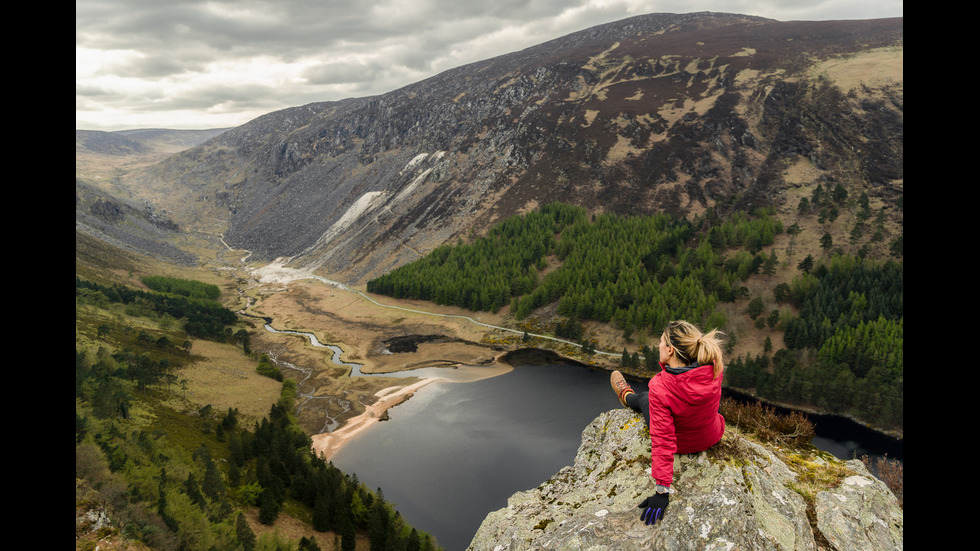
(657, 113)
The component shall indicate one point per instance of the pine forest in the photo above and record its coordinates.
(841, 318)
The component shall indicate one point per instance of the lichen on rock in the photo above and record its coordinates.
(742, 495)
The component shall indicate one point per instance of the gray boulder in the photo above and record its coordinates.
(739, 495)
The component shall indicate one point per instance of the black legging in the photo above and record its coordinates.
(640, 403)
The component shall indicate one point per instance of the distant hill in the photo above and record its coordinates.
(140, 142)
(117, 216)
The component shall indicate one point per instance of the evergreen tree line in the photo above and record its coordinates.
(635, 271)
(274, 463)
(161, 496)
(485, 274)
(740, 231)
(842, 294)
(204, 318)
(184, 287)
(845, 349)
(106, 383)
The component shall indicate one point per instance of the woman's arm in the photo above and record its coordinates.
(663, 440)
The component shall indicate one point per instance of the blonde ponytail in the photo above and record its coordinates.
(692, 345)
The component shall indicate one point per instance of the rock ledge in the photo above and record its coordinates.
(740, 496)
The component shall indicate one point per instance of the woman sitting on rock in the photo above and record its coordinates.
(681, 407)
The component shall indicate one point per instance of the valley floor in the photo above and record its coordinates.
(335, 407)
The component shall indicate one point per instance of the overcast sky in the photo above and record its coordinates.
(221, 63)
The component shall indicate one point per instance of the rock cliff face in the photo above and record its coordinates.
(739, 495)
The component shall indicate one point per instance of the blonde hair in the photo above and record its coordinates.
(692, 345)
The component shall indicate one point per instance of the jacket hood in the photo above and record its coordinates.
(694, 384)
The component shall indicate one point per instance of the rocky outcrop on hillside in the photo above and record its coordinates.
(739, 495)
(138, 229)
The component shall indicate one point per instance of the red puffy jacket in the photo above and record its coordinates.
(684, 416)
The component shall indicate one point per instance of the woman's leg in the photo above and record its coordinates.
(640, 403)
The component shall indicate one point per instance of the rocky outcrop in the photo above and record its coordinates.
(738, 495)
(132, 227)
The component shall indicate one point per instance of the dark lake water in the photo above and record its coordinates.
(456, 451)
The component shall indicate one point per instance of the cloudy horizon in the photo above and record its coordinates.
(191, 64)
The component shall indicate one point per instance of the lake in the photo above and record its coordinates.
(456, 451)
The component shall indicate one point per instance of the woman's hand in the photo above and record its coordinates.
(654, 508)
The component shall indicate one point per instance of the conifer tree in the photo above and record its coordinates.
(806, 264)
(379, 522)
(162, 501)
(213, 487)
(803, 206)
(773, 319)
(414, 542)
(826, 241)
(193, 491)
(268, 507)
(244, 533)
(772, 262)
(321, 512)
(348, 533)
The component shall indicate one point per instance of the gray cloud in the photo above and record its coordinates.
(220, 63)
(339, 72)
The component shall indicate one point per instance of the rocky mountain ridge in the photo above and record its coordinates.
(658, 113)
(743, 495)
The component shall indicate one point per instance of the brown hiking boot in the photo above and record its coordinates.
(620, 386)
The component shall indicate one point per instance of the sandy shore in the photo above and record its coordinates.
(326, 445)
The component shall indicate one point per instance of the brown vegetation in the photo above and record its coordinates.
(793, 429)
(891, 472)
